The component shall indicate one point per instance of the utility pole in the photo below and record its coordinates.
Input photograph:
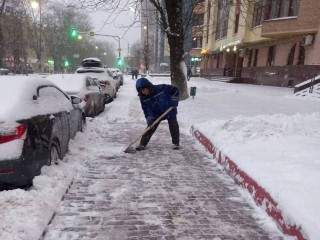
(146, 40)
(40, 36)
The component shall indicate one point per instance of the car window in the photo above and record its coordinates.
(53, 99)
(91, 85)
(90, 71)
(91, 63)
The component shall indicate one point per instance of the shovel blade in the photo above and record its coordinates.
(130, 150)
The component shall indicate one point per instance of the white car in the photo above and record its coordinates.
(118, 73)
(103, 78)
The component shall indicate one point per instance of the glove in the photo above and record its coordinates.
(150, 120)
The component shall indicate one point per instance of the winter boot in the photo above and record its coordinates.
(140, 147)
(175, 147)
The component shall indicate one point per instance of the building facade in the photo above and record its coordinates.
(262, 41)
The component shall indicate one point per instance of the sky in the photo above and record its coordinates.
(129, 35)
(270, 133)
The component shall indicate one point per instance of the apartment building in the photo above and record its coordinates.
(270, 42)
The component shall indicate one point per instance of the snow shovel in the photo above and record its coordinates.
(130, 149)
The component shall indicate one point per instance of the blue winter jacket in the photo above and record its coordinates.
(162, 97)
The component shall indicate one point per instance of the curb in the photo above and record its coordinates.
(259, 194)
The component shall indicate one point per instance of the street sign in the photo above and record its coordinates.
(76, 55)
(91, 34)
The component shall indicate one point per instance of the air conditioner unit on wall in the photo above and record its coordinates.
(307, 40)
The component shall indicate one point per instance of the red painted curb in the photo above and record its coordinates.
(258, 193)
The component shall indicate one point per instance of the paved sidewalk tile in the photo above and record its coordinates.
(156, 194)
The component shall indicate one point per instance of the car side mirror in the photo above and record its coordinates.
(75, 100)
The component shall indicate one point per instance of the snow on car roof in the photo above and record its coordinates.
(91, 59)
(16, 94)
(70, 83)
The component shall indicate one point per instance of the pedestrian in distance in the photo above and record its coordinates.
(189, 73)
(136, 73)
(155, 100)
(132, 73)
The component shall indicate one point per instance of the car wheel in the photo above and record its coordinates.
(114, 95)
(54, 154)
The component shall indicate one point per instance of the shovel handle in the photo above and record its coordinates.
(152, 125)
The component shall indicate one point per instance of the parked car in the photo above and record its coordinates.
(103, 78)
(4, 71)
(37, 120)
(91, 62)
(118, 73)
(115, 77)
(84, 87)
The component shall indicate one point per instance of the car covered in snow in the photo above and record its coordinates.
(84, 87)
(103, 78)
(37, 120)
(116, 72)
(5, 71)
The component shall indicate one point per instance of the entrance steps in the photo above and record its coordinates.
(220, 78)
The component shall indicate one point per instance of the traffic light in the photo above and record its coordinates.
(119, 62)
(66, 63)
(74, 33)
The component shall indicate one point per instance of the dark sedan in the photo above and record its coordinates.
(37, 120)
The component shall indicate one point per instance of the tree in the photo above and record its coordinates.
(170, 20)
(2, 4)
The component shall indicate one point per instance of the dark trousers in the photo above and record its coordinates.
(174, 131)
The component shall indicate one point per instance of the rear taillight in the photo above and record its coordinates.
(86, 98)
(106, 82)
(16, 134)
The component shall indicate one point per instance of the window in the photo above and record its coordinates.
(236, 23)
(198, 20)
(250, 58)
(222, 20)
(52, 100)
(257, 13)
(237, 17)
(197, 42)
(281, 8)
(208, 20)
(255, 60)
(291, 55)
(271, 55)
